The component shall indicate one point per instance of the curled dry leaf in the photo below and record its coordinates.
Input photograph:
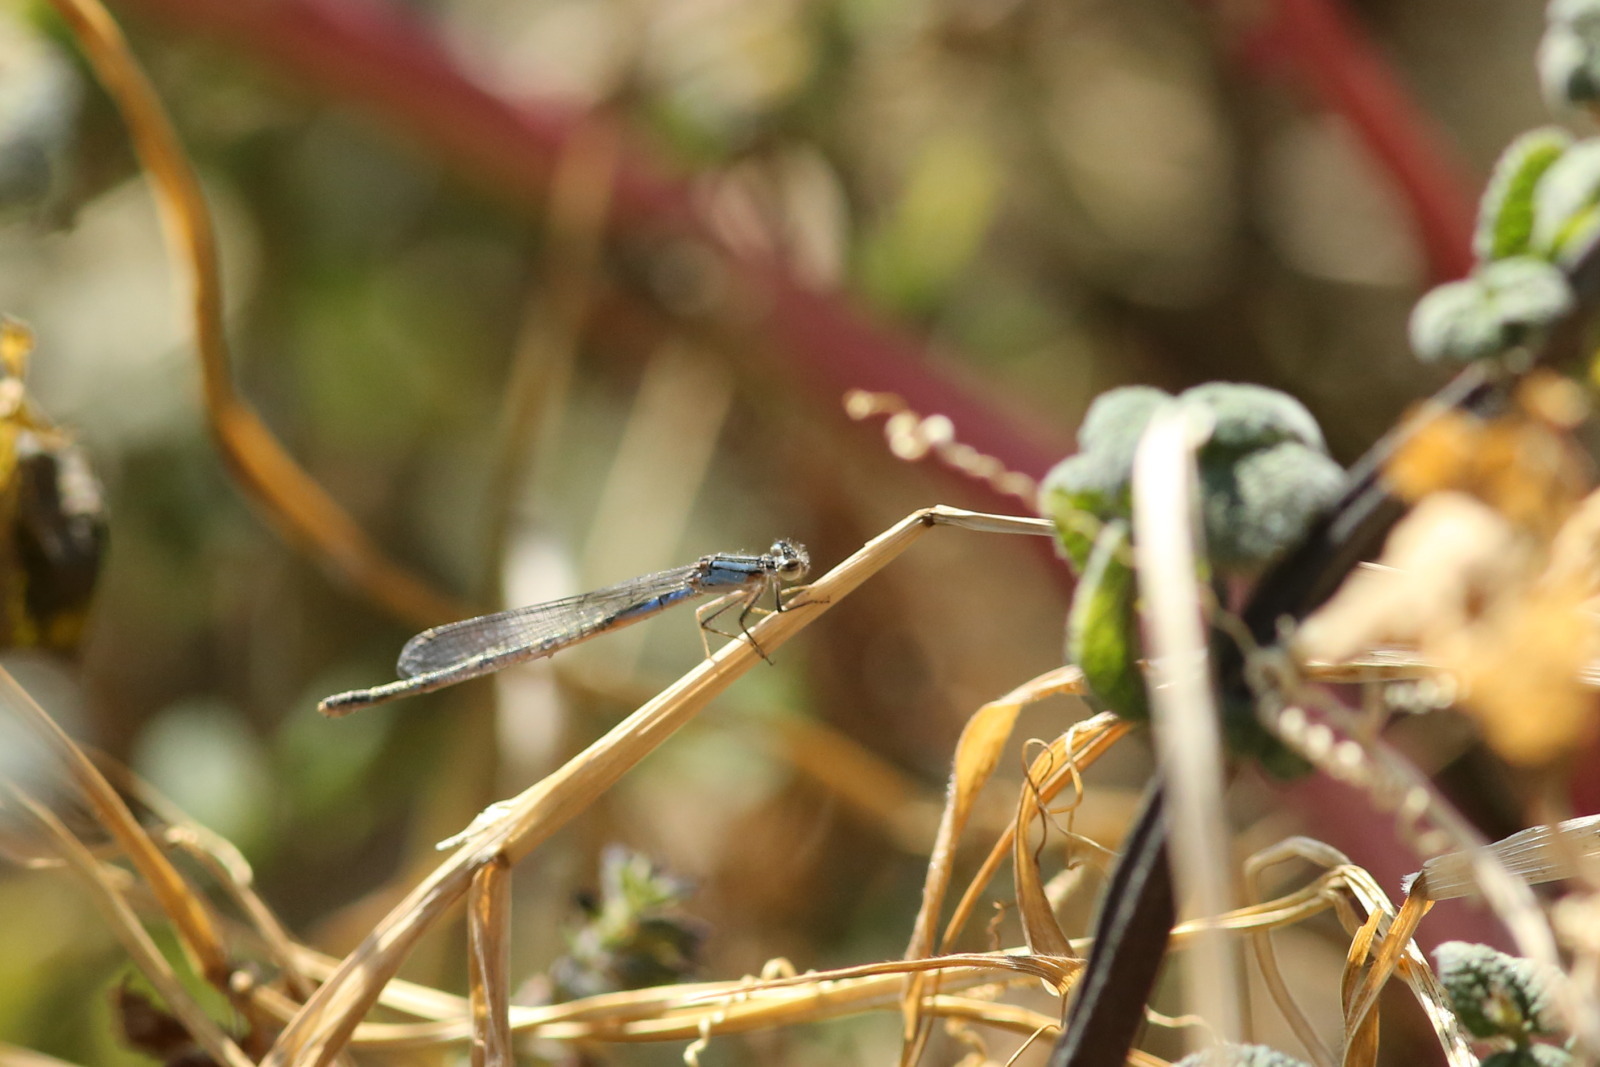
(1491, 576)
(1523, 464)
(977, 754)
(1437, 570)
(1482, 601)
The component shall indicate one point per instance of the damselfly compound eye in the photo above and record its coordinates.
(790, 560)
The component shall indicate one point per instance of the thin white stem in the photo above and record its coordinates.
(1167, 551)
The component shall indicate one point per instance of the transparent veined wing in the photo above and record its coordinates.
(540, 629)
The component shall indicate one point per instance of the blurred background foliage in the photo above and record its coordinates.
(1058, 197)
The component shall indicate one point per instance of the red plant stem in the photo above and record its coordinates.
(1315, 41)
(379, 57)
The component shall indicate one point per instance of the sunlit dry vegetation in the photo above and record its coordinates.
(329, 322)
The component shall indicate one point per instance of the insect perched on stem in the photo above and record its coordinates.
(458, 651)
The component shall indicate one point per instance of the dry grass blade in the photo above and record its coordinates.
(327, 1021)
(1059, 764)
(1361, 1031)
(195, 926)
(1395, 785)
(489, 965)
(223, 861)
(977, 754)
(1361, 887)
(1069, 755)
(1396, 940)
(303, 512)
(1437, 1006)
(690, 1011)
(218, 1045)
(1186, 722)
(1039, 926)
(1272, 976)
(684, 1012)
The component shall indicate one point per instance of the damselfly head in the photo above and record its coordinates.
(790, 560)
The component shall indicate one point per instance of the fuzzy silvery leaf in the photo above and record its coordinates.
(1569, 54)
(1530, 1056)
(1505, 304)
(1565, 204)
(1493, 994)
(1245, 417)
(1239, 1056)
(1117, 419)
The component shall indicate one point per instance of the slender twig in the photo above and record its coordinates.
(489, 964)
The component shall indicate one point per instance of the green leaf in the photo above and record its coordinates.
(1103, 626)
(1074, 497)
(1505, 304)
(1505, 215)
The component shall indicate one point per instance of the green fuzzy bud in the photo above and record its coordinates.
(1245, 417)
(1116, 420)
(1505, 215)
(1505, 304)
(1493, 994)
(1259, 504)
(1093, 486)
(1239, 1056)
(1264, 477)
(1074, 496)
